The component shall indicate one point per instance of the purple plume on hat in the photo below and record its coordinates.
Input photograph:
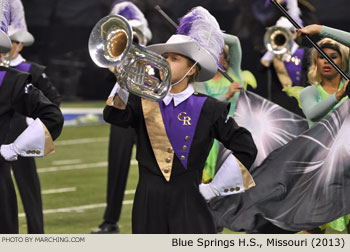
(292, 9)
(201, 26)
(17, 21)
(4, 15)
(17, 29)
(130, 11)
(5, 42)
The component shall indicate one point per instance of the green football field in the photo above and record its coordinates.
(74, 179)
(73, 182)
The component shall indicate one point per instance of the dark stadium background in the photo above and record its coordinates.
(62, 27)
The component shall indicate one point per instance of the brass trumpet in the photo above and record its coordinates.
(140, 71)
(278, 40)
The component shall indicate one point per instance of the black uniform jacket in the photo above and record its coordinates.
(16, 95)
(41, 82)
(177, 202)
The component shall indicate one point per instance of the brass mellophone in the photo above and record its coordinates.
(140, 71)
(278, 40)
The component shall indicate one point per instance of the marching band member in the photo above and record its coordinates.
(288, 71)
(24, 168)
(17, 94)
(121, 140)
(175, 136)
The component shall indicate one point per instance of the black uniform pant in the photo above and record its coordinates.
(121, 141)
(8, 202)
(27, 180)
(174, 207)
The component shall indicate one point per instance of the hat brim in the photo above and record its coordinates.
(23, 37)
(192, 50)
(5, 43)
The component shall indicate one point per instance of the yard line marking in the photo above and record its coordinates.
(66, 162)
(59, 190)
(78, 167)
(82, 110)
(72, 167)
(77, 209)
(129, 192)
(81, 141)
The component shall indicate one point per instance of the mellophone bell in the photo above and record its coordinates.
(140, 71)
(279, 41)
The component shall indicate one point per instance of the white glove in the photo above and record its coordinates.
(29, 120)
(208, 191)
(9, 152)
(31, 143)
(267, 59)
(228, 180)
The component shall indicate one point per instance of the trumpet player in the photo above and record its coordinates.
(288, 63)
(121, 140)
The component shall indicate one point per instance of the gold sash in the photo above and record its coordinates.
(158, 137)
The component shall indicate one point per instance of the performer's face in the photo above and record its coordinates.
(324, 68)
(15, 50)
(179, 66)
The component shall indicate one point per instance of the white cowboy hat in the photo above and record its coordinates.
(190, 48)
(285, 23)
(5, 42)
(17, 30)
(21, 36)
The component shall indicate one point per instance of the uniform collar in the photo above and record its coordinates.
(179, 97)
(18, 60)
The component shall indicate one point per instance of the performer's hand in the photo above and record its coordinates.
(118, 97)
(9, 152)
(342, 92)
(113, 70)
(310, 30)
(265, 63)
(29, 120)
(234, 87)
(208, 191)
